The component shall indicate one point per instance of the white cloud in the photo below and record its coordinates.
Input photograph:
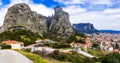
(2, 15)
(20, 1)
(99, 20)
(74, 9)
(93, 2)
(111, 11)
(70, 1)
(97, 2)
(42, 9)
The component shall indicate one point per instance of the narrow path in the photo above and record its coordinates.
(86, 54)
(10, 56)
(83, 53)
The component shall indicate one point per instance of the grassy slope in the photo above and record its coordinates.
(37, 59)
(33, 57)
(97, 52)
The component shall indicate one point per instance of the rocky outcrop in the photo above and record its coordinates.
(85, 28)
(21, 16)
(60, 24)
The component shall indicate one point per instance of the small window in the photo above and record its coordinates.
(22, 6)
(11, 16)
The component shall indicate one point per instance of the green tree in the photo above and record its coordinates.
(111, 58)
(25, 36)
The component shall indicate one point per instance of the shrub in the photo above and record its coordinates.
(111, 58)
(97, 52)
(58, 45)
(74, 57)
(3, 46)
(77, 37)
(25, 36)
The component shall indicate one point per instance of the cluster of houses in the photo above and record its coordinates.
(107, 42)
(77, 46)
(106, 46)
(19, 45)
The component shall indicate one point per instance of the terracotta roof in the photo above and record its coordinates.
(12, 42)
(46, 40)
(116, 50)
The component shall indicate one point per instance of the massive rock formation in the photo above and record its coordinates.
(85, 28)
(60, 24)
(21, 16)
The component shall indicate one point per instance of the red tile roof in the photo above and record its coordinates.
(12, 42)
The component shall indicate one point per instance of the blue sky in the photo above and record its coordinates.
(104, 14)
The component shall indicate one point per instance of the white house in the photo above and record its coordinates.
(44, 41)
(106, 46)
(14, 44)
(110, 48)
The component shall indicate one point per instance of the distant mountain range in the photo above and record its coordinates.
(110, 31)
(85, 28)
(89, 28)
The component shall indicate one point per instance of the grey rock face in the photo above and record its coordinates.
(85, 28)
(21, 16)
(60, 23)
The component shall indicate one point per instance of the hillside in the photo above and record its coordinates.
(25, 36)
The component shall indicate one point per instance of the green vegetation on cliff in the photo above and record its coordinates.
(25, 36)
(77, 37)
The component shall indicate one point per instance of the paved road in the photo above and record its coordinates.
(10, 56)
(83, 53)
(86, 54)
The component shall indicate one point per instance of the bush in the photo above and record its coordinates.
(5, 46)
(96, 52)
(77, 37)
(27, 50)
(58, 45)
(111, 58)
(25, 36)
(74, 57)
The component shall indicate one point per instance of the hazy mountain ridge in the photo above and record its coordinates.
(89, 28)
(110, 31)
(85, 28)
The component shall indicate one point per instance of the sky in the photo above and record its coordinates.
(103, 14)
